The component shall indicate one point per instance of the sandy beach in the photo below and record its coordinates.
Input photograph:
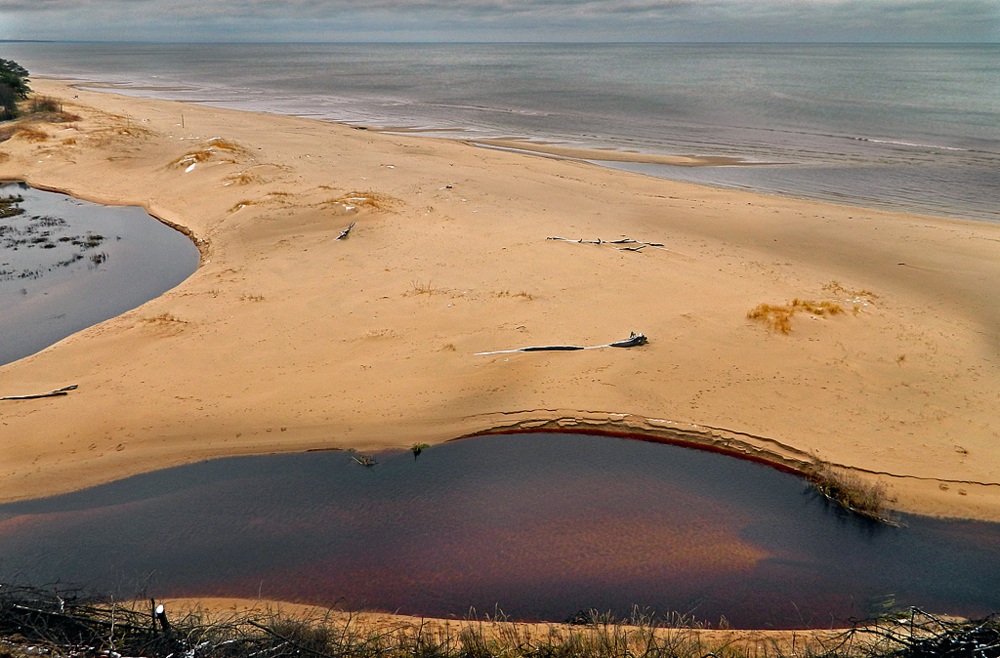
(288, 339)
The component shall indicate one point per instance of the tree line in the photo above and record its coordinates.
(13, 88)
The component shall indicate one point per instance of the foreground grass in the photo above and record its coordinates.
(37, 622)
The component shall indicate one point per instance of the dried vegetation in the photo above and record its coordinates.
(779, 318)
(23, 130)
(37, 622)
(366, 199)
(869, 499)
(216, 148)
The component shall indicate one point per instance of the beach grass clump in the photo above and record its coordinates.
(242, 178)
(869, 499)
(49, 110)
(225, 145)
(45, 104)
(213, 148)
(164, 318)
(779, 318)
(24, 131)
(115, 136)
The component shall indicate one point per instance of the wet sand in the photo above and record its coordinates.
(287, 339)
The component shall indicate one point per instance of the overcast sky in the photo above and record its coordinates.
(503, 20)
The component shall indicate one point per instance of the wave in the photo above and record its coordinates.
(893, 142)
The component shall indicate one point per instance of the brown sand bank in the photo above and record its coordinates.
(287, 339)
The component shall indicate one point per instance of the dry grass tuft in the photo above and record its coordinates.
(164, 318)
(834, 288)
(112, 136)
(49, 110)
(225, 145)
(23, 131)
(242, 178)
(191, 157)
(779, 318)
(869, 499)
(368, 199)
(45, 104)
(507, 293)
(243, 204)
(420, 288)
(213, 148)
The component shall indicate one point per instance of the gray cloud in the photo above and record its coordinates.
(622, 20)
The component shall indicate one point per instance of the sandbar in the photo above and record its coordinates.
(288, 339)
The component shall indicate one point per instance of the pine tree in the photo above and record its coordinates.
(13, 87)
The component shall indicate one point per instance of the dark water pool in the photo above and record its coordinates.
(67, 264)
(541, 525)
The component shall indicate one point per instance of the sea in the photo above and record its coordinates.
(913, 128)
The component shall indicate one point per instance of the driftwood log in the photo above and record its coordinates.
(626, 241)
(634, 340)
(343, 234)
(51, 394)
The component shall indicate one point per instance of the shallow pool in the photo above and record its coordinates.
(67, 264)
(540, 525)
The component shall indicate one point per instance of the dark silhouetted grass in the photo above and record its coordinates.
(63, 623)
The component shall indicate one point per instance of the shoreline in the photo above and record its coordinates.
(663, 162)
(248, 251)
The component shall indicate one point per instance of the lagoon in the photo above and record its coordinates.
(540, 526)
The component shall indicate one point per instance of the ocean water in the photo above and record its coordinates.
(904, 127)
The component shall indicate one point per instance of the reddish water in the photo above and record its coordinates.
(541, 525)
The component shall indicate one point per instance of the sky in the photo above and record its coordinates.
(503, 20)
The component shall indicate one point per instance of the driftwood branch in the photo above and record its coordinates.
(51, 394)
(343, 234)
(634, 340)
(658, 245)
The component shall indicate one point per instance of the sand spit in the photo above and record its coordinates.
(287, 339)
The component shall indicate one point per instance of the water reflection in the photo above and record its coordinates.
(542, 525)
